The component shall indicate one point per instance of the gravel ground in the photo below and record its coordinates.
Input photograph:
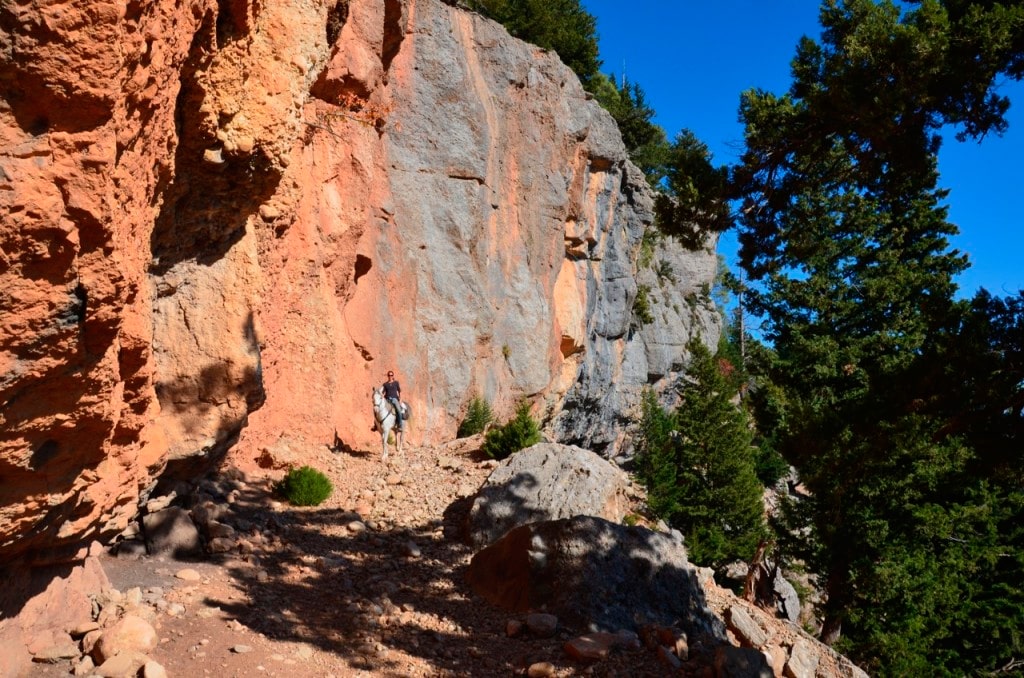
(370, 583)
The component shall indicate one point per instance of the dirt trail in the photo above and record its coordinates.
(326, 591)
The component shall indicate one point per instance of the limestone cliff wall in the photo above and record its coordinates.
(224, 221)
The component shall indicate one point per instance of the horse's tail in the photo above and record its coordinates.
(406, 411)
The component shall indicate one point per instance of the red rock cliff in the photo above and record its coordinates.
(224, 221)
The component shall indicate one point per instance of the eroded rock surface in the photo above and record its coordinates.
(594, 574)
(546, 482)
(227, 220)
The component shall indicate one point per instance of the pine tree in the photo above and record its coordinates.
(845, 236)
(645, 141)
(698, 466)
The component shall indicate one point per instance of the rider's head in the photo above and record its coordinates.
(391, 375)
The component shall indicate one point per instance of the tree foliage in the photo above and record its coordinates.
(519, 432)
(698, 466)
(645, 140)
(845, 234)
(695, 200)
(478, 416)
(563, 26)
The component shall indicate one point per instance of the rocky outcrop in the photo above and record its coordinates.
(42, 610)
(546, 482)
(594, 574)
(228, 219)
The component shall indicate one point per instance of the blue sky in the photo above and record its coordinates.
(693, 58)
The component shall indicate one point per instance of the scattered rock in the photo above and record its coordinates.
(541, 670)
(241, 649)
(188, 574)
(123, 665)
(741, 662)
(159, 503)
(83, 667)
(131, 634)
(513, 628)
(746, 629)
(57, 653)
(221, 545)
(152, 669)
(541, 624)
(171, 532)
(802, 662)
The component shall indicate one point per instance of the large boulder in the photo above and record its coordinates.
(592, 573)
(546, 482)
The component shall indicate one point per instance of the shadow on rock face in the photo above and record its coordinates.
(594, 574)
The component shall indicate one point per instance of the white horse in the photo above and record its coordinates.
(384, 413)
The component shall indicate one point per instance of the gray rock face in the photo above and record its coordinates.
(470, 220)
(593, 573)
(546, 482)
(599, 412)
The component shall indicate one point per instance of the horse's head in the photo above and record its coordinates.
(378, 396)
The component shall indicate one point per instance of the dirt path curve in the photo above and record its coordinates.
(370, 583)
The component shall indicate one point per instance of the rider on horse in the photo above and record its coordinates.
(393, 393)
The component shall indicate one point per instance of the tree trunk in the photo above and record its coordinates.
(831, 629)
(750, 583)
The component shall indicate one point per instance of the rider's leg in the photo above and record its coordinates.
(398, 412)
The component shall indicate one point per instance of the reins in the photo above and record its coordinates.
(390, 411)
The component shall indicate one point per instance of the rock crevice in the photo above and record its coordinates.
(223, 232)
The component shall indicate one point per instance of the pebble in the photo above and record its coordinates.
(152, 669)
(57, 653)
(412, 550)
(188, 574)
(541, 624)
(241, 649)
(541, 670)
(356, 526)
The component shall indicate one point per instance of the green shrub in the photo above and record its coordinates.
(305, 486)
(642, 305)
(521, 431)
(478, 416)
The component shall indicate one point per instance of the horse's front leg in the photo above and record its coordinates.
(384, 444)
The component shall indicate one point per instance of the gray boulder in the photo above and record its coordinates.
(787, 601)
(172, 532)
(594, 574)
(546, 482)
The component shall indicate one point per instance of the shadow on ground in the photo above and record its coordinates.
(379, 597)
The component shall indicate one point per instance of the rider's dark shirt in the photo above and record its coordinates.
(392, 389)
